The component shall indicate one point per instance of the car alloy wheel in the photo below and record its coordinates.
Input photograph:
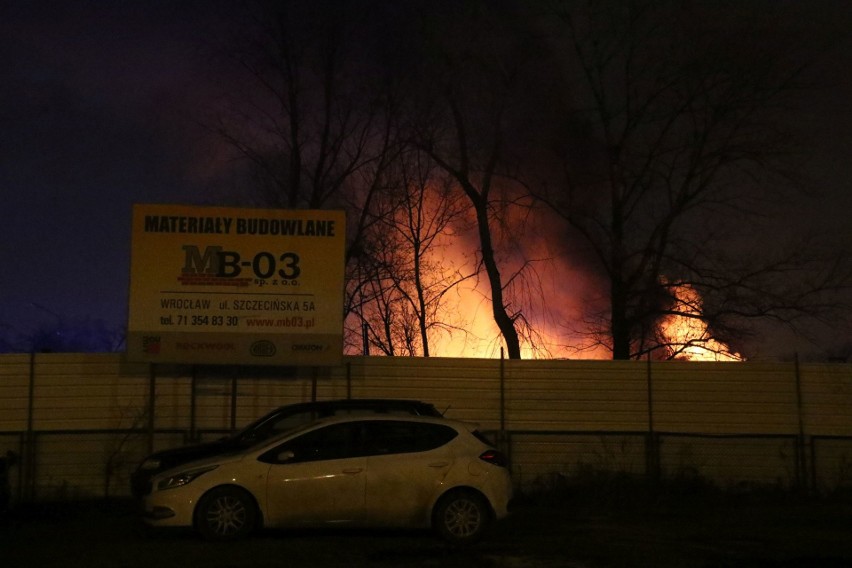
(461, 517)
(226, 513)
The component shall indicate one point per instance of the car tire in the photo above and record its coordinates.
(226, 513)
(461, 517)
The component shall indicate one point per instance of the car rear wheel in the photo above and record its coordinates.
(226, 513)
(461, 517)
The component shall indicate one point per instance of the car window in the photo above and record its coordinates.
(398, 437)
(337, 441)
(284, 419)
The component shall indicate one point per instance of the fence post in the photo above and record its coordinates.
(192, 404)
(502, 394)
(652, 450)
(152, 394)
(801, 444)
(233, 423)
(502, 441)
(28, 467)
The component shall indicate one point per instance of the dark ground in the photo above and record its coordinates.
(598, 528)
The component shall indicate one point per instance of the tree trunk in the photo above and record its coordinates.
(504, 321)
(619, 325)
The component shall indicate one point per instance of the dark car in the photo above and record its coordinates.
(277, 421)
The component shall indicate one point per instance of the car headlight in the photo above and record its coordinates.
(182, 478)
(150, 464)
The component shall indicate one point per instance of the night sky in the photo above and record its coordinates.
(98, 109)
(97, 100)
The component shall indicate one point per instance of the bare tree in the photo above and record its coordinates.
(475, 73)
(672, 143)
(131, 420)
(409, 270)
(315, 121)
(425, 221)
(307, 116)
(429, 209)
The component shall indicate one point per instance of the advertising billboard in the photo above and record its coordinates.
(236, 286)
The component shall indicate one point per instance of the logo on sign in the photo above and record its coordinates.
(263, 348)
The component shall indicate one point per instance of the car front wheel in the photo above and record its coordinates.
(461, 517)
(226, 513)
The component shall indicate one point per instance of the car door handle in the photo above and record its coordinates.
(439, 464)
(353, 470)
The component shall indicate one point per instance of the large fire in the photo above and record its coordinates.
(481, 337)
(549, 297)
(553, 293)
(687, 335)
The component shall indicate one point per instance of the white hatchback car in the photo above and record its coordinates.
(387, 471)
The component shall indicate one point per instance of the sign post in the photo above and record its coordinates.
(236, 286)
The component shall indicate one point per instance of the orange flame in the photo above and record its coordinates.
(549, 292)
(561, 291)
(687, 335)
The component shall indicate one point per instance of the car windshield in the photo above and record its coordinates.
(247, 430)
(248, 442)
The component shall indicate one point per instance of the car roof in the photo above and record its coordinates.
(358, 402)
(389, 417)
(415, 407)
